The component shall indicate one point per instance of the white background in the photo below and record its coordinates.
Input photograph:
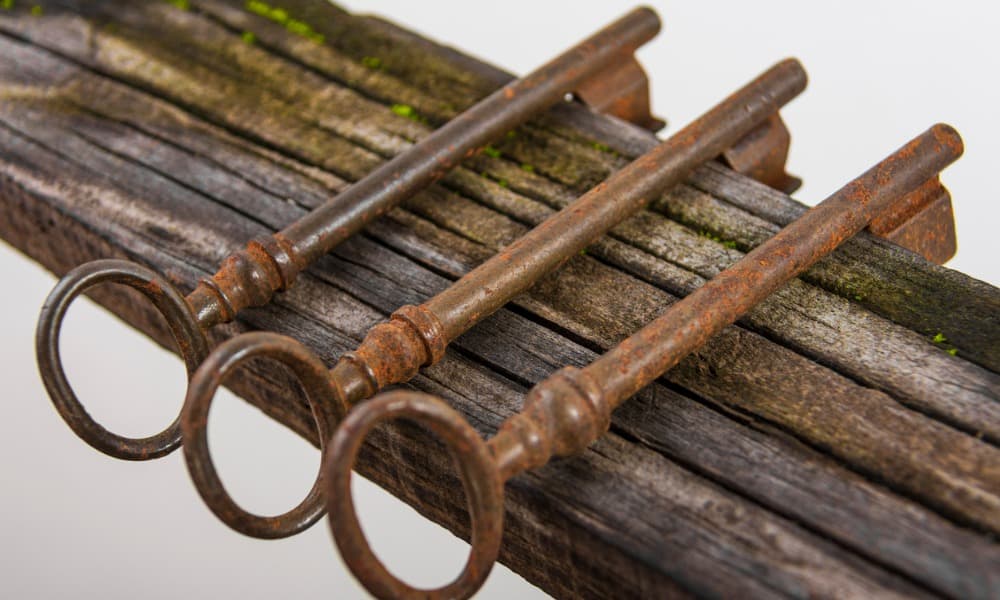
(78, 524)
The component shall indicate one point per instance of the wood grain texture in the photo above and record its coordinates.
(824, 446)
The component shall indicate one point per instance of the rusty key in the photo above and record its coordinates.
(565, 413)
(417, 336)
(251, 276)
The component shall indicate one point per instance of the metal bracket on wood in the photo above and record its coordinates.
(922, 222)
(621, 90)
(762, 154)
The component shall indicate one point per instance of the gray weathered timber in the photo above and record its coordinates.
(143, 131)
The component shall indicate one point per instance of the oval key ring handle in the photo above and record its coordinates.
(324, 401)
(480, 478)
(191, 344)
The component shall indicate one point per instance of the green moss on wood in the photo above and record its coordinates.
(501, 181)
(358, 37)
(249, 37)
(282, 17)
(562, 161)
(181, 4)
(7, 4)
(405, 110)
(492, 152)
(939, 339)
(602, 147)
(709, 235)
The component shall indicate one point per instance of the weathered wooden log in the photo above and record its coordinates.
(825, 445)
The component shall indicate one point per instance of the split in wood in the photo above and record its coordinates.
(567, 412)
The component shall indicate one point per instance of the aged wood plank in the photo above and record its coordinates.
(892, 283)
(732, 523)
(482, 230)
(184, 87)
(909, 368)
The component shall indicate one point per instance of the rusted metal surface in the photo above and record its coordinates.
(762, 154)
(621, 90)
(417, 336)
(166, 298)
(923, 222)
(483, 491)
(568, 411)
(251, 276)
